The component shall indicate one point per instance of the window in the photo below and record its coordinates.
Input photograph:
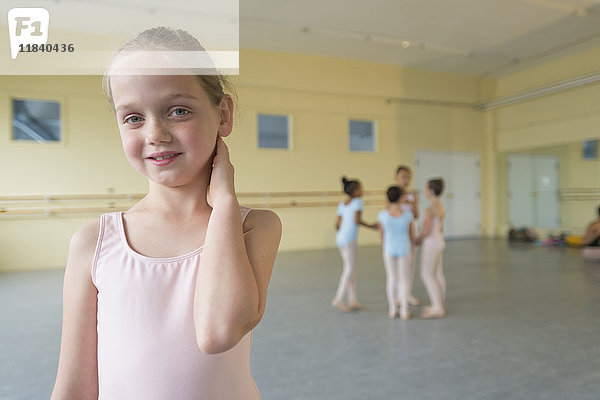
(273, 131)
(36, 120)
(362, 135)
(590, 149)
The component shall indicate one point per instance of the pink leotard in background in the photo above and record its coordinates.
(147, 346)
(435, 239)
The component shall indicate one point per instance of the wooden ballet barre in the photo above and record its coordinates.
(579, 194)
(111, 208)
(51, 211)
(303, 194)
(75, 197)
(89, 197)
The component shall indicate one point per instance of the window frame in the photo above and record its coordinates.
(36, 97)
(289, 131)
(375, 135)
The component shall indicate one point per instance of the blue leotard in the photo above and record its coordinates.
(396, 239)
(348, 229)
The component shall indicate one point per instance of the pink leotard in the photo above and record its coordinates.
(435, 239)
(147, 346)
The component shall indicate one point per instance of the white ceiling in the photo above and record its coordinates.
(476, 37)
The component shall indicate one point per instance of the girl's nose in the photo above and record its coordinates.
(157, 132)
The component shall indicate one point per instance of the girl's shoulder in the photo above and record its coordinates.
(86, 236)
(260, 219)
(354, 202)
(82, 247)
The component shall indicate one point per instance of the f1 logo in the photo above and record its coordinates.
(27, 26)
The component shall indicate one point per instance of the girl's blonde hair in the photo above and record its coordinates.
(168, 39)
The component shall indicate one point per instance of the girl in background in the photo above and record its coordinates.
(346, 224)
(433, 243)
(396, 224)
(410, 203)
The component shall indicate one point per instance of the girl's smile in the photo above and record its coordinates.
(163, 158)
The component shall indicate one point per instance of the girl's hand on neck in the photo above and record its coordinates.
(221, 187)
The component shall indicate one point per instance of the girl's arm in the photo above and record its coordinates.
(359, 220)
(77, 376)
(411, 233)
(338, 223)
(415, 205)
(235, 266)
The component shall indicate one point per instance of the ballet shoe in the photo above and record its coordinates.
(393, 314)
(405, 316)
(355, 305)
(340, 306)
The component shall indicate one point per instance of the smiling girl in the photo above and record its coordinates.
(160, 300)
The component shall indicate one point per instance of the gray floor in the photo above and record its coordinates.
(523, 323)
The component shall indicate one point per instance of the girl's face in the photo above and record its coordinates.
(403, 178)
(359, 191)
(168, 125)
(428, 192)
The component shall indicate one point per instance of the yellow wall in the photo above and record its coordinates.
(554, 119)
(321, 94)
(553, 124)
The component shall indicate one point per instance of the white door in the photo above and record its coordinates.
(533, 190)
(461, 174)
(547, 210)
(466, 178)
(520, 192)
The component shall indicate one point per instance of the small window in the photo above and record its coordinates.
(362, 135)
(273, 131)
(36, 120)
(590, 149)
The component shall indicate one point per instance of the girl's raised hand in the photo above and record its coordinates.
(221, 178)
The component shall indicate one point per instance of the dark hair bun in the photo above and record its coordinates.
(350, 185)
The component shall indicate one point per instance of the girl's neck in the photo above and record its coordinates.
(395, 207)
(178, 201)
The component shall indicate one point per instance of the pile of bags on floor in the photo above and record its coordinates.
(528, 235)
(523, 234)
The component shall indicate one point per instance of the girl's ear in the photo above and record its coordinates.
(225, 109)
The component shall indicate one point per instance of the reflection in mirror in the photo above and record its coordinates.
(555, 188)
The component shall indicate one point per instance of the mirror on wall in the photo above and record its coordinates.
(554, 187)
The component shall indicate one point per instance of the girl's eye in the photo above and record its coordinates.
(134, 119)
(178, 112)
